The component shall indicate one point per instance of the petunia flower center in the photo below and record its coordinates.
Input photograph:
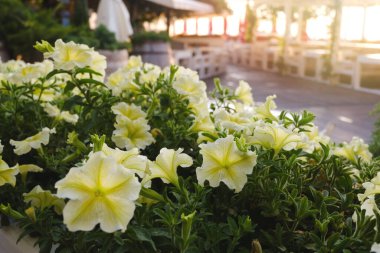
(99, 193)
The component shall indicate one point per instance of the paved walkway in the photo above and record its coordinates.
(343, 110)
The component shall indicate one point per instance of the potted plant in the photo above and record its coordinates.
(148, 161)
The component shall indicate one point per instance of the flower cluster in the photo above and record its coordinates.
(148, 161)
(132, 129)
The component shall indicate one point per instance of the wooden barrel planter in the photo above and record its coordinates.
(115, 59)
(155, 52)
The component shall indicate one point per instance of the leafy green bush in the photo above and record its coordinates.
(100, 38)
(375, 142)
(144, 36)
(251, 181)
(22, 26)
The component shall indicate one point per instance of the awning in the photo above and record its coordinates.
(317, 2)
(185, 5)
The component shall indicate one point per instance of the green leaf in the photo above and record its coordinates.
(69, 87)
(55, 72)
(144, 235)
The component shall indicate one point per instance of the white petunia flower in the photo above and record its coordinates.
(244, 93)
(35, 141)
(42, 199)
(7, 174)
(353, 150)
(371, 188)
(264, 111)
(186, 82)
(32, 71)
(224, 162)
(375, 248)
(53, 111)
(100, 192)
(130, 111)
(130, 159)
(69, 55)
(232, 121)
(132, 134)
(166, 164)
(274, 136)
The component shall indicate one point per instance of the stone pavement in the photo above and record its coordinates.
(345, 112)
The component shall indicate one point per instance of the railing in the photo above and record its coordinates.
(207, 61)
(356, 67)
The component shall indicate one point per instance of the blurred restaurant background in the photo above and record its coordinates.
(329, 41)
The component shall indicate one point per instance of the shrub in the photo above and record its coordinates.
(145, 36)
(22, 26)
(375, 142)
(147, 162)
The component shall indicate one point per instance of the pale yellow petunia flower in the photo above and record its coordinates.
(130, 159)
(264, 111)
(53, 111)
(26, 168)
(166, 164)
(354, 150)
(187, 83)
(371, 188)
(224, 162)
(32, 71)
(232, 121)
(133, 62)
(130, 111)
(132, 134)
(370, 207)
(244, 93)
(274, 136)
(150, 73)
(69, 55)
(312, 139)
(35, 141)
(101, 191)
(7, 175)
(42, 199)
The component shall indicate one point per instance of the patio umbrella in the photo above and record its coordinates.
(114, 15)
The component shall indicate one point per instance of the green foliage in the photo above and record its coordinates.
(375, 142)
(100, 38)
(142, 37)
(80, 15)
(21, 27)
(293, 201)
(251, 21)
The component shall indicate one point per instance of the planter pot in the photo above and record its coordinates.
(155, 52)
(8, 239)
(4, 56)
(115, 59)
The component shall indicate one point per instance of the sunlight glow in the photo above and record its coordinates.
(354, 20)
(372, 32)
(217, 25)
(191, 26)
(351, 28)
(203, 26)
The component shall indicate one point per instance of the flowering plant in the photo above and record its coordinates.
(147, 161)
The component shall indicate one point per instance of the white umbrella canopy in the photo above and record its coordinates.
(114, 15)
